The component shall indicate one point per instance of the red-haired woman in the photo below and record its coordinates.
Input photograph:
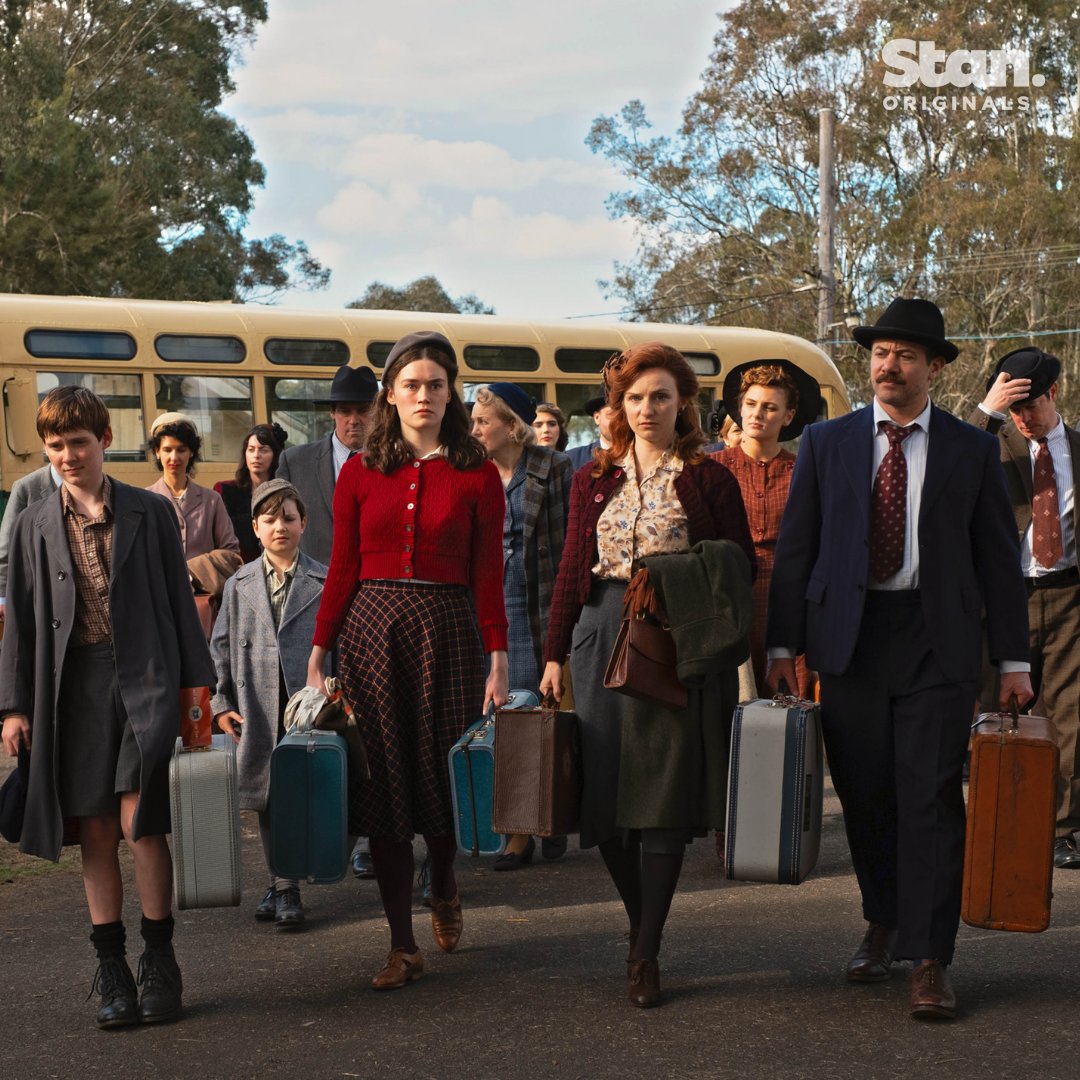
(772, 402)
(259, 455)
(650, 493)
(413, 599)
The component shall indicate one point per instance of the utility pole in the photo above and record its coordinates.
(826, 226)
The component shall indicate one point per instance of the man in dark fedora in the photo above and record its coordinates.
(1041, 458)
(313, 470)
(896, 536)
(313, 467)
(596, 407)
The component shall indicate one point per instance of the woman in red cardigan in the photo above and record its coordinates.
(413, 599)
(651, 492)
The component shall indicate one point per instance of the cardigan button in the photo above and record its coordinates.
(408, 547)
(408, 506)
(598, 498)
(412, 487)
(408, 569)
(416, 464)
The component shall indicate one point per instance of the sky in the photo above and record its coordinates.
(434, 138)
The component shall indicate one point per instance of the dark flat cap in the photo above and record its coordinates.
(1030, 363)
(352, 384)
(421, 337)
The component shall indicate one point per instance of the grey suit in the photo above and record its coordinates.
(249, 655)
(310, 469)
(26, 491)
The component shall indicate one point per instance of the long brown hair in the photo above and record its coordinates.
(387, 448)
(621, 372)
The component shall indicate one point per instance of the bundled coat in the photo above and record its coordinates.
(248, 656)
(158, 644)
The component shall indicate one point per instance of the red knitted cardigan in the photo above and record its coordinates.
(713, 503)
(425, 521)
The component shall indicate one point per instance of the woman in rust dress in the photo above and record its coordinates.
(772, 402)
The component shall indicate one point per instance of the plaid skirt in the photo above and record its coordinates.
(412, 664)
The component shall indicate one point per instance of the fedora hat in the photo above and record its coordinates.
(806, 411)
(918, 321)
(354, 384)
(1030, 363)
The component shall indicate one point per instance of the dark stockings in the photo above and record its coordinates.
(646, 885)
(393, 861)
(442, 849)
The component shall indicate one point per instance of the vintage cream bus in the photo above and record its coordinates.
(230, 366)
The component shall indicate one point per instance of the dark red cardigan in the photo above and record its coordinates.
(713, 503)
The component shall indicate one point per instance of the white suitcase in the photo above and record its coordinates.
(775, 791)
(205, 804)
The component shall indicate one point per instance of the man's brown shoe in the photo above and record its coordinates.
(446, 922)
(932, 995)
(643, 983)
(873, 960)
(401, 967)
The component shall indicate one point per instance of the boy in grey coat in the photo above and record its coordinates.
(260, 645)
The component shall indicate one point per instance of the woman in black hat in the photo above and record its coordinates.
(413, 600)
(772, 401)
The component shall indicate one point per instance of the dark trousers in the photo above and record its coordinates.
(896, 733)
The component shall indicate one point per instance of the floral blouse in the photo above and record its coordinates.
(642, 518)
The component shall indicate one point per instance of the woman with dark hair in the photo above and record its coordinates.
(413, 600)
(204, 521)
(537, 483)
(550, 426)
(647, 788)
(773, 401)
(259, 455)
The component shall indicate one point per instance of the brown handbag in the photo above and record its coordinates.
(537, 786)
(642, 664)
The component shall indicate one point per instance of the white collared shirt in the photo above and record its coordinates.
(1058, 445)
(914, 448)
(342, 453)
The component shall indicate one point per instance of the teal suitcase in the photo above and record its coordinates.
(472, 781)
(309, 833)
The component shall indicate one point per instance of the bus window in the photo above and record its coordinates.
(502, 358)
(571, 399)
(377, 352)
(299, 406)
(220, 407)
(703, 363)
(306, 351)
(123, 398)
(583, 362)
(200, 349)
(79, 344)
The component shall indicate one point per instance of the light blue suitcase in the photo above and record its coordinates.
(472, 781)
(309, 833)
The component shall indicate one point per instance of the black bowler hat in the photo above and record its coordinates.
(594, 405)
(421, 337)
(806, 412)
(1030, 363)
(352, 384)
(910, 320)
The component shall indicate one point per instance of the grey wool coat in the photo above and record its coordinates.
(310, 469)
(248, 654)
(158, 644)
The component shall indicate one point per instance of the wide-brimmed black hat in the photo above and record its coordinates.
(353, 384)
(919, 321)
(806, 412)
(1030, 363)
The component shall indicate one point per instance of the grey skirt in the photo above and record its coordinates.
(98, 755)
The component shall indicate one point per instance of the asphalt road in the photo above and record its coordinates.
(752, 976)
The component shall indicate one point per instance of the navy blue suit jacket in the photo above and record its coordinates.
(969, 555)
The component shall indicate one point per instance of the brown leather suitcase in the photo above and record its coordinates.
(537, 788)
(1011, 815)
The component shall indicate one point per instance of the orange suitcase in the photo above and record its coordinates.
(1011, 815)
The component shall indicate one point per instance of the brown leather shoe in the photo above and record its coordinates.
(446, 922)
(401, 967)
(873, 961)
(643, 983)
(932, 994)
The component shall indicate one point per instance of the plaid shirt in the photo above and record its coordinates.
(91, 544)
(277, 588)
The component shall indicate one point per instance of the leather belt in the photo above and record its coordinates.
(1055, 579)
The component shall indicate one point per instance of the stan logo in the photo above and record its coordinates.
(914, 62)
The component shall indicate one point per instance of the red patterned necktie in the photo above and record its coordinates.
(1046, 543)
(888, 506)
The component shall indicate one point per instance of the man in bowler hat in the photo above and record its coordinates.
(1041, 458)
(596, 407)
(313, 467)
(313, 470)
(896, 536)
